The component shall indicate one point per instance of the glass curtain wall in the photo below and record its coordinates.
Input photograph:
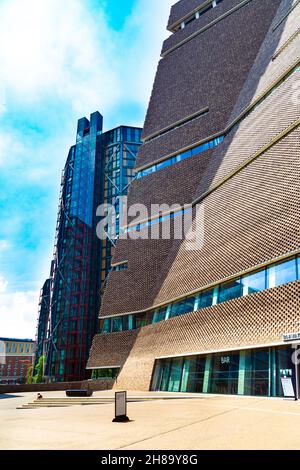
(275, 275)
(256, 372)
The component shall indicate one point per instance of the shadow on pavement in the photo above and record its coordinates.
(5, 396)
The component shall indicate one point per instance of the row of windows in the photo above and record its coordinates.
(120, 267)
(149, 223)
(181, 156)
(212, 143)
(256, 372)
(198, 14)
(171, 128)
(102, 374)
(129, 134)
(18, 348)
(274, 275)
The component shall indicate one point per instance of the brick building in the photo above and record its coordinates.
(221, 132)
(16, 355)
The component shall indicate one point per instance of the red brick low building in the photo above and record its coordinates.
(16, 356)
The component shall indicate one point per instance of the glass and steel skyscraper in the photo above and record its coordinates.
(98, 170)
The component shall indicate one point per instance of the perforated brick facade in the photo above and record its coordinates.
(244, 67)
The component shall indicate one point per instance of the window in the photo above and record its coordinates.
(106, 328)
(285, 272)
(230, 290)
(256, 365)
(125, 323)
(141, 320)
(163, 164)
(206, 299)
(256, 282)
(120, 267)
(175, 375)
(225, 373)
(193, 374)
(102, 374)
(182, 307)
(117, 324)
(159, 315)
(181, 156)
(272, 276)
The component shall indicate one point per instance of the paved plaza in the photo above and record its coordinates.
(199, 422)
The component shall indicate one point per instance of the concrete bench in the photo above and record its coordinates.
(79, 393)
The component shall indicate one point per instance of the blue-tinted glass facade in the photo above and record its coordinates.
(181, 156)
(274, 275)
(44, 309)
(98, 170)
(253, 372)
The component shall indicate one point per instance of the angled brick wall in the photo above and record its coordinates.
(212, 73)
(254, 320)
(251, 212)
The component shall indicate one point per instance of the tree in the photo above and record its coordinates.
(39, 369)
(29, 378)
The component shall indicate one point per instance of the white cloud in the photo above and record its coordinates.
(10, 147)
(71, 54)
(18, 313)
(3, 284)
(149, 20)
(62, 52)
(4, 245)
(2, 99)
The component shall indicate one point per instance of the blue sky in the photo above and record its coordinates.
(57, 65)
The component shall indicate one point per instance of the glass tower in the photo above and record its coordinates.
(98, 170)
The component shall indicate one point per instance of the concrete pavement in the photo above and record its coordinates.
(205, 422)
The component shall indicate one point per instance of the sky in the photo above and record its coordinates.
(58, 64)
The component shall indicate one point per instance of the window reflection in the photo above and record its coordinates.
(256, 282)
(230, 290)
(285, 272)
(274, 275)
(254, 372)
(206, 299)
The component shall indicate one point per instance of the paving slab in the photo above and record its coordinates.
(203, 422)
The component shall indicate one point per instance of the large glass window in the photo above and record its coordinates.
(106, 326)
(165, 375)
(125, 323)
(117, 324)
(257, 366)
(256, 372)
(206, 299)
(193, 374)
(255, 282)
(102, 374)
(141, 320)
(272, 276)
(159, 315)
(225, 373)
(182, 307)
(175, 375)
(230, 290)
(285, 272)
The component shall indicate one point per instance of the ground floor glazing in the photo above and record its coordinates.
(256, 372)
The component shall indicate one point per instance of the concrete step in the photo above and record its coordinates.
(67, 402)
